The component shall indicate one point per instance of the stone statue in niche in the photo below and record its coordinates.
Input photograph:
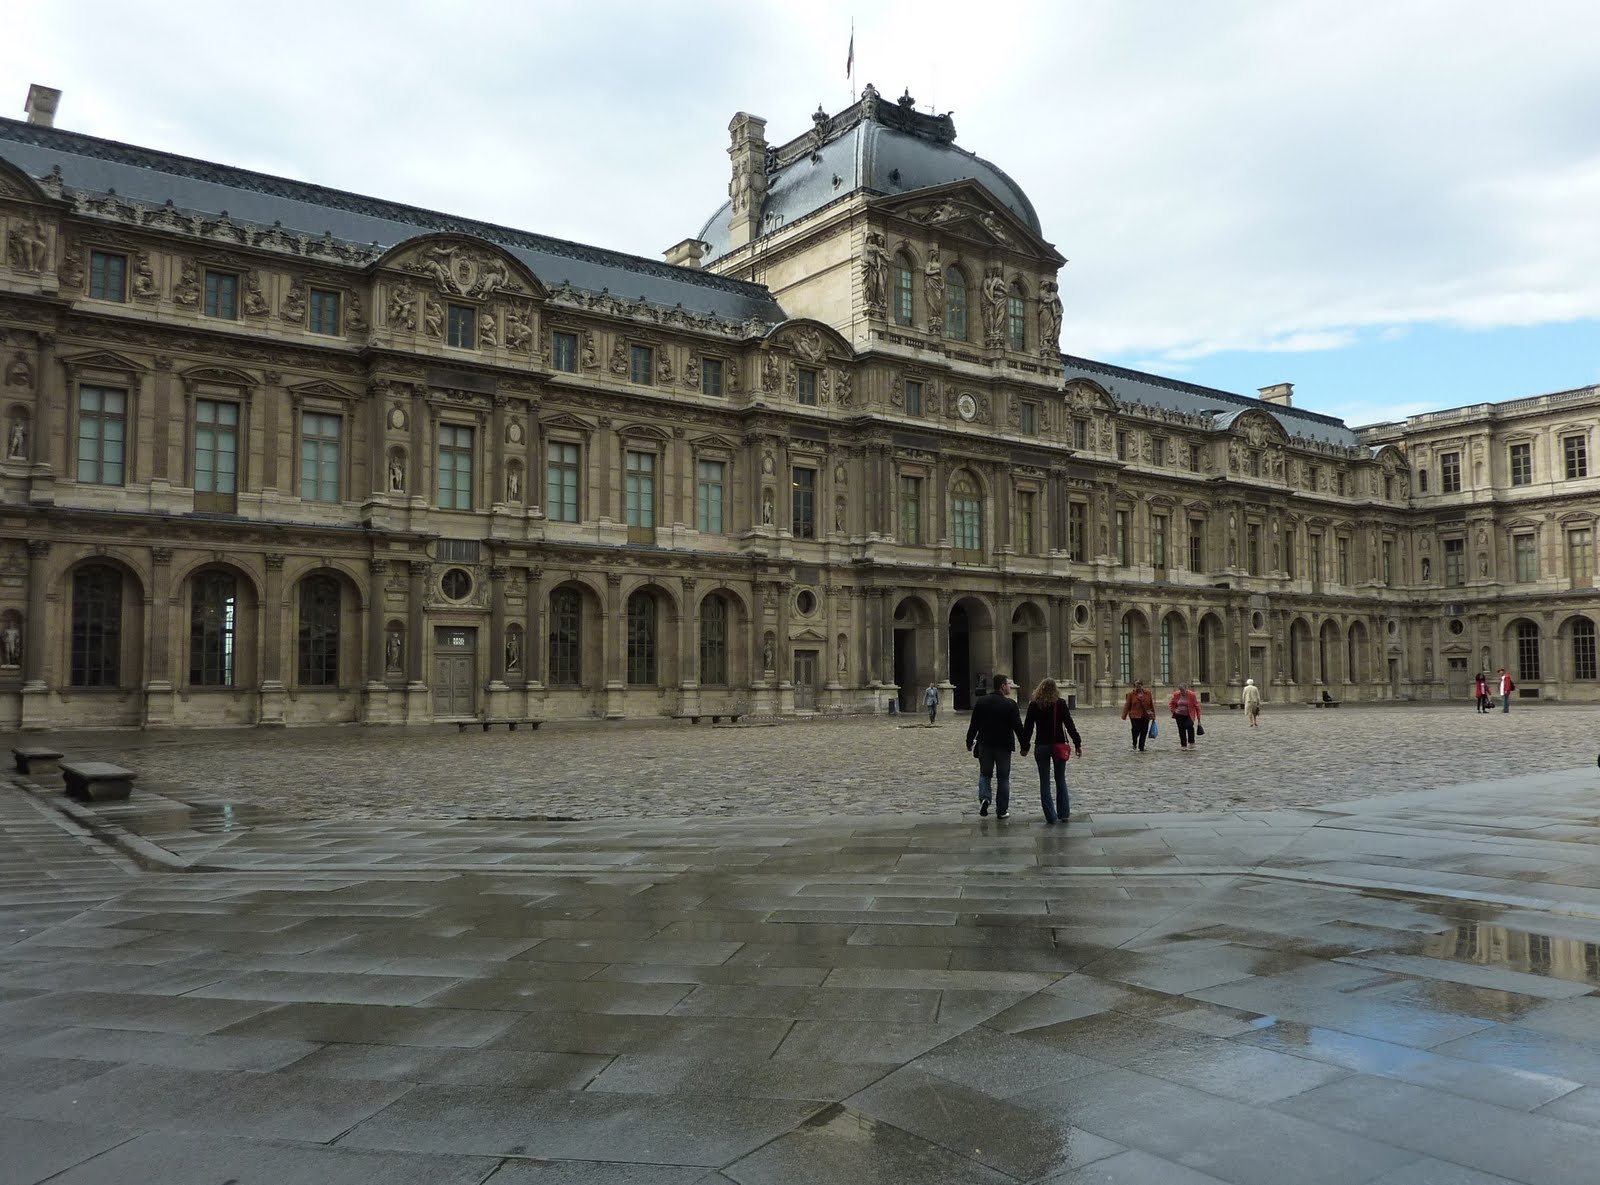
(17, 439)
(769, 372)
(844, 662)
(875, 272)
(393, 651)
(767, 655)
(433, 318)
(513, 651)
(994, 307)
(355, 320)
(933, 290)
(10, 643)
(1427, 664)
(838, 516)
(1483, 565)
(397, 474)
(513, 484)
(28, 247)
(1427, 569)
(766, 509)
(845, 395)
(402, 306)
(1049, 318)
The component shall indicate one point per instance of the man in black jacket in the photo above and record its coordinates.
(995, 724)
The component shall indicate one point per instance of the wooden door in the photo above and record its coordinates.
(805, 680)
(454, 673)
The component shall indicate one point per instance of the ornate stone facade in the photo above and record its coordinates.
(260, 473)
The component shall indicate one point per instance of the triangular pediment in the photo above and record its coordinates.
(716, 442)
(808, 635)
(102, 360)
(966, 210)
(321, 389)
(570, 422)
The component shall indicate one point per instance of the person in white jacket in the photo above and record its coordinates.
(1252, 702)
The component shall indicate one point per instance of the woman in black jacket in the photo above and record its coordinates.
(1049, 715)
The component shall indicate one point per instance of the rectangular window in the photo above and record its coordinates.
(1252, 548)
(1158, 450)
(1314, 477)
(561, 482)
(102, 435)
(711, 377)
(639, 481)
(222, 296)
(1575, 449)
(319, 457)
(108, 276)
(1122, 445)
(1077, 532)
(1080, 433)
(1197, 545)
(1195, 458)
(216, 447)
(1525, 550)
(455, 467)
(913, 398)
(1521, 464)
(642, 365)
(1580, 557)
(1341, 547)
(1255, 464)
(1030, 419)
(1449, 473)
(325, 311)
(1316, 559)
(804, 484)
(1388, 562)
(1455, 562)
(806, 386)
(1338, 483)
(564, 351)
(1027, 502)
(911, 510)
(461, 326)
(1289, 555)
(1124, 536)
(708, 497)
(1422, 481)
(1158, 540)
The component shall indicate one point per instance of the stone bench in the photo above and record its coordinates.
(1325, 703)
(511, 725)
(97, 781)
(36, 759)
(714, 717)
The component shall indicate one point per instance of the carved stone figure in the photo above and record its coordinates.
(846, 395)
(20, 372)
(933, 290)
(397, 475)
(619, 357)
(513, 651)
(1427, 570)
(255, 304)
(1483, 565)
(766, 509)
(808, 344)
(71, 270)
(875, 272)
(769, 372)
(513, 484)
(28, 247)
(1049, 318)
(433, 318)
(664, 368)
(355, 320)
(187, 290)
(589, 356)
(402, 306)
(144, 278)
(488, 330)
(768, 465)
(994, 307)
(393, 651)
(838, 515)
(691, 373)
(519, 329)
(844, 663)
(767, 655)
(17, 440)
(10, 644)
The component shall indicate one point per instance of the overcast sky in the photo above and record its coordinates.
(1391, 204)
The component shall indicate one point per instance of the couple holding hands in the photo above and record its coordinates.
(997, 721)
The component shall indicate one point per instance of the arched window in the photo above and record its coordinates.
(566, 620)
(966, 519)
(1125, 651)
(1164, 669)
(1583, 650)
(642, 639)
(1016, 319)
(904, 277)
(955, 304)
(96, 626)
(319, 632)
(714, 641)
(1528, 651)
(1203, 651)
(213, 614)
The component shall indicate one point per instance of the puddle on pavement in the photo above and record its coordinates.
(1569, 959)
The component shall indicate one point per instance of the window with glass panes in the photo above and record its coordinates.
(1521, 464)
(1194, 458)
(318, 641)
(96, 659)
(102, 435)
(1252, 548)
(803, 483)
(1580, 557)
(1583, 649)
(714, 641)
(564, 351)
(216, 447)
(319, 457)
(1158, 450)
(639, 489)
(222, 296)
(966, 518)
(108, 276)
(1575, 451)
(1124, 540)
(1422, 481)
(642, 365)
(1029, 418)
(461, 326)
(213, 618)
(1528, 665)
(1016, 320)
(1122, 445)
(913, 398)
(1316, 558)
(455, 467)
(1342, 557)
(1078, 531)
(708, 496)
(1197, 545)
(1080, 433)
(325, 311)
(1289, 548)
(561, 482)
(565, 637)
(910, 510)
(1026, 526)
(1388, 562)
(904, 279)
(1449, 473)
(1455, 562)
(955, 304)
(806, 386)
(1158, 540)
(642, 639)
(1525, 550)
(711, 377)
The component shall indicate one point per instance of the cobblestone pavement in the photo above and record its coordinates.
(1297, 757)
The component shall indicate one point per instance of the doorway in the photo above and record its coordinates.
(455, 672)
(1080, 676)
(1258, 668)
(961, 656)
(1459, 686)
(805, 680)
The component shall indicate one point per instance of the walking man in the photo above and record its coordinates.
(1252, 702)
(1506, 688)
(995, 725)
(1138, 709)
(930, 700)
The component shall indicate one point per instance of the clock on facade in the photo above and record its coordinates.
(966, 406)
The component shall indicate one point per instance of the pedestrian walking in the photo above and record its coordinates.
(930, 700)
(1185, 708)
(1480, 688)
(1506, 688)
(1049, 724)
(1139, 709)
(995, 725)
(1252, 702)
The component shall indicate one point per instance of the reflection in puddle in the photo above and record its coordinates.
(1518, 950)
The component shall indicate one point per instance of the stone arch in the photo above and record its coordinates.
(649, 651)
(971, 628)
(304, 639)
(1030, 645)
(1357, 653)
(916, 648)
(1577, 644)
(82, 639)
(575, 626)
(1523, 644)
(1210, 650)
(1329, 657)
(1133, 647)
(1300, 666)
(218, 642)
(1172, 638)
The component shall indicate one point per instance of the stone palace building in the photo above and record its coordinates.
(280, 454)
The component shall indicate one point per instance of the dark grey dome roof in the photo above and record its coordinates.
(884, 148)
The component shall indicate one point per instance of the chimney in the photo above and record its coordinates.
(41, 105)
(1281, 394)
(748, 188)
(688, 253)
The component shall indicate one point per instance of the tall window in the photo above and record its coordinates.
(213, 613)
(806, 386)
(1077, 531)
(1252, 548)
(319, 632)
(455, 467)
(1124, 537)
(1029, 418)
(1342, 555)
(324, 311)
(1525, 549)
(641, 365)
(913, 397)
(708, 497)
(1026, 526)
(1195, 458)
(711, 376)
(1164, 668)
(461, 326)
(102, 435)
(1580, 556)
(714, 641)
(216, 447)
(640, 492)
(1125, 652)
(1449, 473)
(1527, 652)
(1122, 444)
(911, 510)
(955, 304)
(96, 626)
(642, 639)
(1197, 545)
(1388, 562)
(222, 296)
(1080, 433)
(1575, 450)
(1016, 319)
(1455, 562)
(561, 482)
(1316, 559)
(1158, 540)
(966, 519)
(1290, 547)
(108, 276)
(1158, 450)
(319, 457)
(564, 351)
(1521, 464)
(1583, 649)
(803, 483)
(565, 637)
(904, 278)
(1422, 481)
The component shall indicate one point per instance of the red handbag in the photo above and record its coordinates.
(1062, 750)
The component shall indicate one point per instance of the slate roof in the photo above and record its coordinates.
(1135, 386)
(95, 166)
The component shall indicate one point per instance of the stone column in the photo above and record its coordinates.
(494, 459)
(941, 651)
(534, 642)
(35, 691)
(272, 645)
(416, 653)
(784, 651)
(159, 708)
(615, 637)
(688, 652)
(497, 626)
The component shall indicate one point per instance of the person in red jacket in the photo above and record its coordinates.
(1185, 708)
(1480, 688)
(1138, 709)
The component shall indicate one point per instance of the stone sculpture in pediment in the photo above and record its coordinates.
(465, 268)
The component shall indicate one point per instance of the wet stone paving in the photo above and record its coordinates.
(1350, 947)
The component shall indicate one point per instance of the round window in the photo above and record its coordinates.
(456, 584)
(805, 602)
(1257, 621)
(1081, 615)
(1457, 625)
(1394, 628)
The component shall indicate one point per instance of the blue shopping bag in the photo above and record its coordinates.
(1154, 730)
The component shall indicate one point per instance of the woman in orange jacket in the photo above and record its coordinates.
(1139, 709)
(1185, 708)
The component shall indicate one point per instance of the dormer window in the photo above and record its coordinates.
(903, 280)
(955, 304)
(1016, 320)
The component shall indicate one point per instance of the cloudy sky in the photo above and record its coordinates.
(1391, 204)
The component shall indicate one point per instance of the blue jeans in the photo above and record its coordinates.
(1061, 807)
(1505, 701)
(994, 764)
